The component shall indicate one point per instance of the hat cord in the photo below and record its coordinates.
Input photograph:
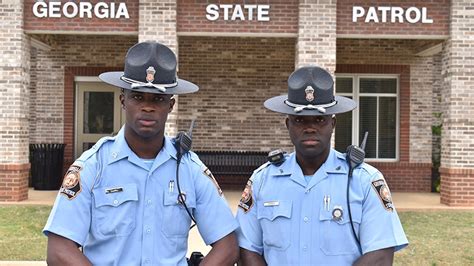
(320, 107)
(137, 83)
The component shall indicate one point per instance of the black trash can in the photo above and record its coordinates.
(47, 165)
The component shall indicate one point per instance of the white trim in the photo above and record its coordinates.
(238, 34)
(367, 75)
(40, 45)
(392, 36)
(73, 32)
(87, 79)
(432, 50)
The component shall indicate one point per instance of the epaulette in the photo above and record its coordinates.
(263, 166)
(87, 154)
(194, 157)
(369, 168)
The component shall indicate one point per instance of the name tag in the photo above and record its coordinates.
(113, 190)
(271, 203)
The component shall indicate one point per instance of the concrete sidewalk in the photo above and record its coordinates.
(404, 201)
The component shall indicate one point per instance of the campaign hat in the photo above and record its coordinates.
(149, 67)
(310, 93)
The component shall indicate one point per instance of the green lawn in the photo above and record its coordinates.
(20, 232)
(436, 237)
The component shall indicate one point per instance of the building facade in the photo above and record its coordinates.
(409, 65)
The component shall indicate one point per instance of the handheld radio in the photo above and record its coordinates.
(354, 156)
(183, 143)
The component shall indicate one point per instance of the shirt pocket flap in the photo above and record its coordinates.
(356, 213)
(170, 199)
(283, 209)
(114, 196)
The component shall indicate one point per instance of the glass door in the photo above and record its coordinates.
(98, 113)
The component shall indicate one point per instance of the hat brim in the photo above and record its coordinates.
(277, 104)
(113, 78)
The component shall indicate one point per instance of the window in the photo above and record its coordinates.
(377, 113)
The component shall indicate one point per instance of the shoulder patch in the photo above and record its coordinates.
(383, 192)
(209, 174)
(71, 186)
(246, 202)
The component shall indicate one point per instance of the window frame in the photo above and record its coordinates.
(355, 113)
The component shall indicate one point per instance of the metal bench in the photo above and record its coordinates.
(232, 163)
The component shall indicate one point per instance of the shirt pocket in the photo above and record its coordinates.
(115, 209)
(275, 222)
(336, 237)
(176, 220)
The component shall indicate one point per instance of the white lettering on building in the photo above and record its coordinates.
(81, 9)
(238, 12)
(384, 14)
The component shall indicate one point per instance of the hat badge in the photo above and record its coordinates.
(150, 74)
(309, 93)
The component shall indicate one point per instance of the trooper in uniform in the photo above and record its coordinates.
(295, 211)
(119, 200)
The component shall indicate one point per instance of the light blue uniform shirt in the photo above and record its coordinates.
(291, 222)
(128, 214)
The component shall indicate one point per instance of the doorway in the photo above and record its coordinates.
(98, 112)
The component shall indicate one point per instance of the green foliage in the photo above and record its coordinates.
(436, 130)
(436, 157)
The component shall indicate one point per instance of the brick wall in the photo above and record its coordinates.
(53, 97)
(438, 11)
(77, 24)
(457, 186)
(14, 182)
(457, 143)
(316, 42)
(283, 17)
(14, 78)
(406, 177)
(421, 109)
(437, 106)
(158, 23)
(422, 75)
(235, 75)
(413, 172)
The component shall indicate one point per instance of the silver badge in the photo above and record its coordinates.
(150, 74)
(309, 93)
(337, 213)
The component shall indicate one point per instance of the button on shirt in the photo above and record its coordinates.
(127, 212)
(291, 221)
